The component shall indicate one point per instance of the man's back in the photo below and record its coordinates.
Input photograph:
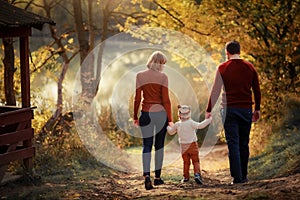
(238, 77)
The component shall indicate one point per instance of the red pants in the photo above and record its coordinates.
(190, 152)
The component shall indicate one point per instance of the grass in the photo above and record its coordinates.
(61, 185)
(55, 179)
(281, 157)
(282, 154)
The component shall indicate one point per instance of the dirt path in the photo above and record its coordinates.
(216, 177)
(121, 186)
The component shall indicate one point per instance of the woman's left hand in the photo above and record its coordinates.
(171, 124)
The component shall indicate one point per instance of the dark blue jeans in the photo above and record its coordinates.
(237, 125)
(154, 128)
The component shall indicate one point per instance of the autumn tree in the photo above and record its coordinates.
(269, 33)
(267, 30)
(79, 27)
(9, 70)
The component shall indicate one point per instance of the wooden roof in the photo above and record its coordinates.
(14, 17)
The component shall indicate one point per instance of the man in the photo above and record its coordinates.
(238, 79)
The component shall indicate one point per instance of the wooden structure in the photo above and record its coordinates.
(16, 133)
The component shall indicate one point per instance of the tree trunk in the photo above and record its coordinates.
(50, 124)
(82, 39)
(91, 24)
(87, 75)
(59, 104)
(9, 70)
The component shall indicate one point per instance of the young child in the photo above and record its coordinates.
(186, 129)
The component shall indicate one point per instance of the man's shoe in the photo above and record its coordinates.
(198, 179)
(238, 181)
(245, 180)
(158, 181)
(148, 184)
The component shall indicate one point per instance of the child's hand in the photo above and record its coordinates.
(209, 119)
(207, 115)
(171, 129)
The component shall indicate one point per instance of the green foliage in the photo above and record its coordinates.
(267, 30)
(121, 138)
(269, 33)
(60, 148)
(44, 59)
(259, 137)
(281, 157)
(282, 154)
(67, 183)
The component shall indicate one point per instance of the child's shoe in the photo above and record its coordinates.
(158, 181)
(148, 184)
(198, 179)
(184, 180)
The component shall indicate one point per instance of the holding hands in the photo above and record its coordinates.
(207, 115)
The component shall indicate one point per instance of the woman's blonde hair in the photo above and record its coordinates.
(156, 61)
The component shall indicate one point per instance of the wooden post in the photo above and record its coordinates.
(25, 90)
(25, 74)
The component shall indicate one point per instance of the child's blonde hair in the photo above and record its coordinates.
(156, 61)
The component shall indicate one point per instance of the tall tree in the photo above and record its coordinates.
(9, 70)
(268, 32)
(86, 32)
(64, 53)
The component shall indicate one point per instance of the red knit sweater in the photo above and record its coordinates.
(239, 80)
(153, 87)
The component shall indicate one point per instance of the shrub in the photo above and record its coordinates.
(281, 156)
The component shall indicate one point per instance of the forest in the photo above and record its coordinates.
(82, 77)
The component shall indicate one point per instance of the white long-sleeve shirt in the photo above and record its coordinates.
(187, 130)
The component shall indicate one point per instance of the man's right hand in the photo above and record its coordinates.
(136, 122)
(207, 115)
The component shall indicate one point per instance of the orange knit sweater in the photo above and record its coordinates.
(152, 91)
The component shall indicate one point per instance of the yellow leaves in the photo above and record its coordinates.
(136, 1)
(73, 195)
(64, 35)
(71, 40)
(198, 79)
(51, 75)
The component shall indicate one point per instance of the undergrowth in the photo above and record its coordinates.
(281, 156)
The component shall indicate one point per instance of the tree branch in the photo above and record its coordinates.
(182, 24)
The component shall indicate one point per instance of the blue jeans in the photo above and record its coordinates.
(154, 128)
(237, 125)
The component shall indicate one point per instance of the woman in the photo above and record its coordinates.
(153, 93)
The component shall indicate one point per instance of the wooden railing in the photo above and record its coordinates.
(16, 136)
